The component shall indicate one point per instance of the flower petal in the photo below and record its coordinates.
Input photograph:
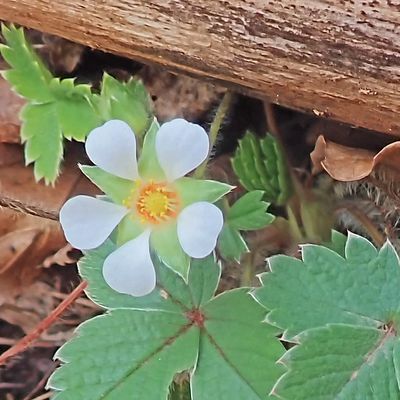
(87, 222)
(198, 228)
(129, 269)
(112, 147)
(181, 147)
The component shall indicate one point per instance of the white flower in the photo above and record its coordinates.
(158, 209)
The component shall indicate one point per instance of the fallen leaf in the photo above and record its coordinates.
(28, 241)
(348, 164)
(10, 106)
(61, 257)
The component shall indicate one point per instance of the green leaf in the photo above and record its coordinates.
(122, 354)
(204, 276)
(260, 165)
(60, 108)
(192, 190)
(28, 76)
(231, 245)
(129, 228)
(342, 362)
(90, 268)
(249, 212)
(237, 349)
(118, 189)
(74, 108)
(56, 108)
(128, 102)
(135, 351)
(337, 243)
(149, 167)
(344, 313)
(165, 242)
(42, 135)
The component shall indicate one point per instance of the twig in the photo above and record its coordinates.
(41, 383)
(44, 396)
(20, 207)
(26, 341)
(44, 344)
(215, 127)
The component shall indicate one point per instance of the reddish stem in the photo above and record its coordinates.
(26, 341)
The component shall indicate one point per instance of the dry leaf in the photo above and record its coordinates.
(348, 164)
(61, 257)
(28, 241)
(10, 106)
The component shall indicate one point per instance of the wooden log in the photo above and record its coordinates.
(336, 58)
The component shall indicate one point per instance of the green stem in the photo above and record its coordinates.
(214, 130)
(248, 270)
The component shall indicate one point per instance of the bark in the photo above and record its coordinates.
(335, 58)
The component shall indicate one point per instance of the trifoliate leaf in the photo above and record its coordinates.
(135, 351)
(128, 102)
(344, 314)
(231, 244)
(249, 212)
(260, 165)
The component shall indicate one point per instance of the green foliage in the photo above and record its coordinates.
(260, 165)
(60, 108)
(136, 348)
(231, 244)
(128, 102)
(343, 312)
(248, 213)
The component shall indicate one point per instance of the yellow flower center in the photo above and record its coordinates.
(154, 202)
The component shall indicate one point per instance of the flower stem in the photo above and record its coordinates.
(248, 271)
(215, 127)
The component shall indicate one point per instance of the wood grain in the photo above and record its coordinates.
(335, 58)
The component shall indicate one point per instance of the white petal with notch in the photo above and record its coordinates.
(181, 147)
(129, 269)
(199, 225)
(87, 222)
(112, 147)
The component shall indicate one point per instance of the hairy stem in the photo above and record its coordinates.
(377, 237)
(215, 127)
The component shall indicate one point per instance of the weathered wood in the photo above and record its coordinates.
(336, 58)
